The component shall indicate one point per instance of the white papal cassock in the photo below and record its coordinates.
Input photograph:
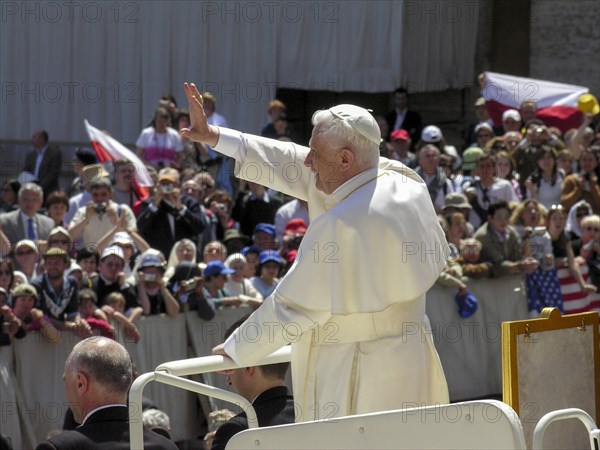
(353, 303)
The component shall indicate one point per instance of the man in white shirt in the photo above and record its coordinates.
(353, 303)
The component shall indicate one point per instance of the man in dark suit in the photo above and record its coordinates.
(170, 216)
(25, 222)
(402, 118)
(98, 373)
(264, 386)
(44, 162)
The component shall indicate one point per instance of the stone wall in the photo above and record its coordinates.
(565, 42)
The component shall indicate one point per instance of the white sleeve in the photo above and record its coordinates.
(275, 164)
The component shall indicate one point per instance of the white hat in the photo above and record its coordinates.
(361, 121)
(113, 250)
(511, 114)
(431, 133)
(484, 125)
(123, 238)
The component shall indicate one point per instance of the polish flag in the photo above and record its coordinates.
(556, 102)
(109, 149)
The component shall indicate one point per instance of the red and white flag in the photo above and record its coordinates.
(556, 102)
(108, 148)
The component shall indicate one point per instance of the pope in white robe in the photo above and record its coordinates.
(353, 303)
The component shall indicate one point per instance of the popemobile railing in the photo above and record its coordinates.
(172, 373)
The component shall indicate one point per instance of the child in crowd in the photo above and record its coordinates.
(87, 310)
(125, 318)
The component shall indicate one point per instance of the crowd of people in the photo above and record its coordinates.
(520, 198)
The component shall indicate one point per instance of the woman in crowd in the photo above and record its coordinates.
(150, 290)
(583, 185)
(543, 287)
(237, 284)
(183, 250)
(57, 206)
(266, 280)
(10, 194)
(83, 157)
(562, 249)
(590, 246)
(576, 214)
(160, 145)
(214, 251)
(6, 274)
(506, 168)
(545, 184)
(26, 257)
(251, 253)
(564, 161)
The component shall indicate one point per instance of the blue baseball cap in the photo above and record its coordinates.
(216, 268)
(270, 255)
(251, 249)
(265, 228)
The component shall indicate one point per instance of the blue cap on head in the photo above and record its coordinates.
(250, 249)
(270, 255)
(265, 228)
(216, 268)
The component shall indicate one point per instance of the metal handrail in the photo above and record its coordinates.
(564, 414)
(170, 373)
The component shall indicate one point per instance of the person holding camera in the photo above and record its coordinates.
(525, 154)
(150, 289)
(583, 185)
(545, 184)
(169, 215)
(187, 286)
(100, 215)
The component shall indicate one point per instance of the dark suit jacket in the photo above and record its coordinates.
(107, 429)
(49, 173)
(155, 228)
(12, 226)
(411, 123)
(275, 406)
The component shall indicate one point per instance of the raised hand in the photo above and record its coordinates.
(199, 130)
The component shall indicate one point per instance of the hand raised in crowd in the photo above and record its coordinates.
(13, 321)
(81, 328)
(131, 332)
(121, 279)
(112, 213)
(37, 314)
(90, 210)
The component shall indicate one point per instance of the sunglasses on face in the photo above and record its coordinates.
(61, 242)
(25, 253)
(5, 272)
(596, 229)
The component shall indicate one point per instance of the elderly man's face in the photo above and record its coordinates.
(324, 162)
(30, 202)
(429, 160)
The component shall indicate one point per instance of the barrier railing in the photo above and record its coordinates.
(171, 373)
